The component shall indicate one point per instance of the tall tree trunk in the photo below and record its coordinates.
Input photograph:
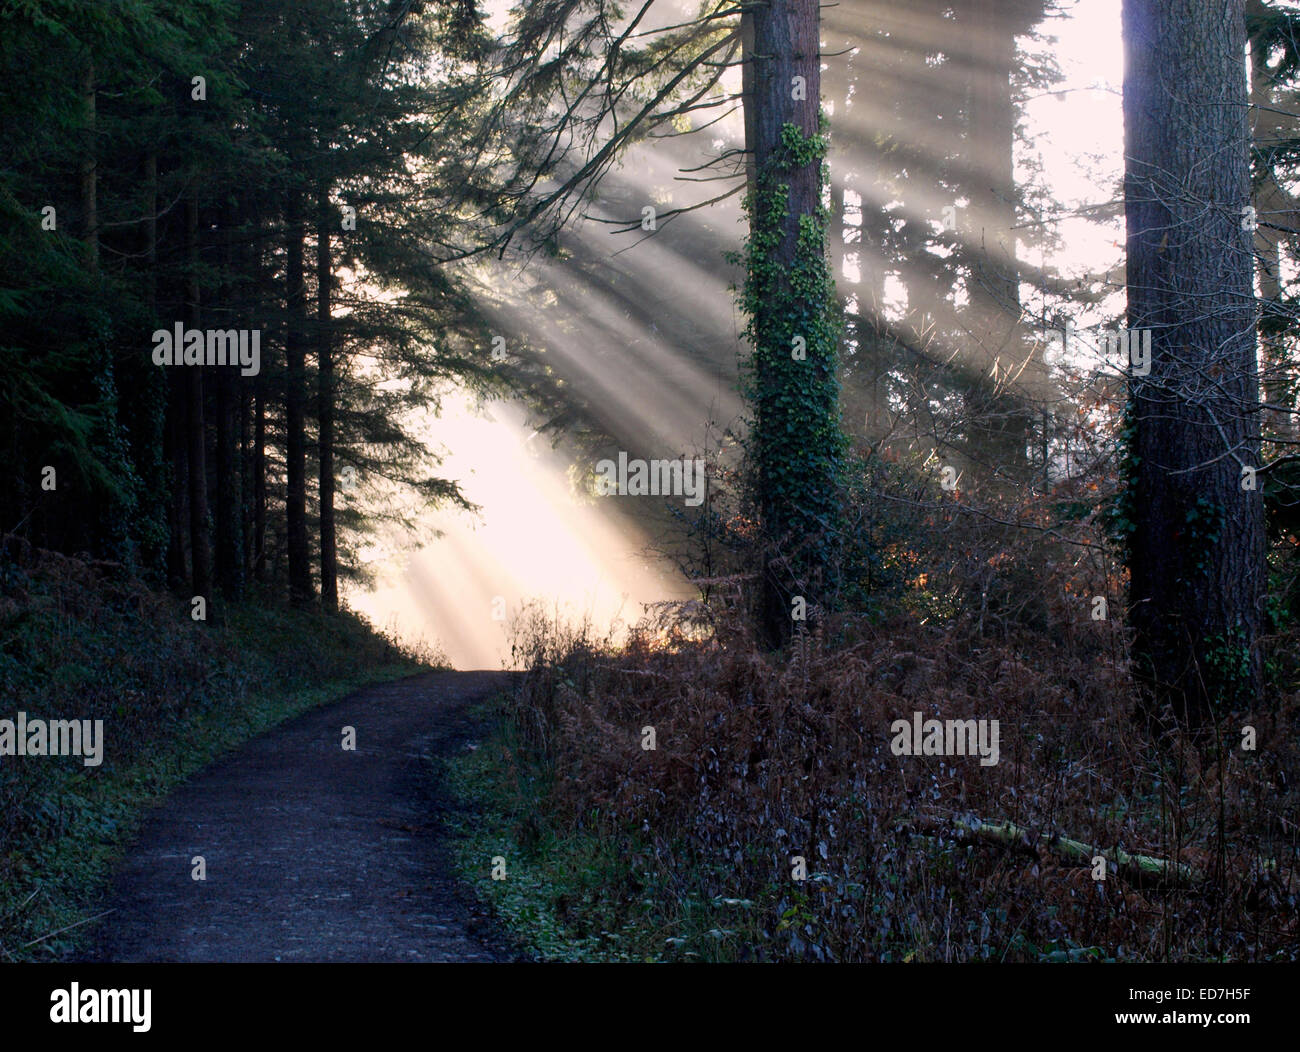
(795, 440)
(229, 539)
(1268, 252)
(259, 485)
(300, 583)
(256, 487)
(89, 179)
(329, 589)
(1277, 390)
(229, 516)
(200, 535)
(853, 79)
(1196, 536)
(247, 400)
(750, 104)
(151, 231)
(149, 438)
(1001, 422)
(177, 452)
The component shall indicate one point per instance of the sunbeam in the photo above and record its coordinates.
(536, 539)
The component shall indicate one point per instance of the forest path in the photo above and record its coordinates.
(313, 853)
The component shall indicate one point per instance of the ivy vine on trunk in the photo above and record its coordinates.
(796, 445)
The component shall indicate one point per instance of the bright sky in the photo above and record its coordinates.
(534, 539)
(1078, 129)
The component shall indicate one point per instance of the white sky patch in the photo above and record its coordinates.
(1077, 129)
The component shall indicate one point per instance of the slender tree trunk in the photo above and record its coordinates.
(229, 515)
(1196, 534)
(89, 179)
(259, 485)
(200, 535)
(747, 93)
(836, 247)
(177, 451)
(117, 528)
(301, 590)
(1277, 392)
(247, 392)
(246, 402)
(230, 565)
(151, 231)
(1001, 422)
(328, 543)
(150, 440)
(256, 464)
(1268, 253)
(786, 51)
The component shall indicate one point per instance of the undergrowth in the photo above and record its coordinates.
(79, 641)
(690, 850)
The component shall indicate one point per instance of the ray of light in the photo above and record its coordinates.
(536, 540)
(644, 337)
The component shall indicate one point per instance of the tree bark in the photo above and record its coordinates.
(325, 390)
(750, 107)
(1000, 422)
(149, 405)
(89, 179)
(256, 463)
(1195, 535)
(795, 402)
(229, 515)
(259, 486)
(200, 537)
(1266, 129)
(301, 590)
(177, 452)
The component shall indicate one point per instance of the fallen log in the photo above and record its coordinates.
(1140, 870)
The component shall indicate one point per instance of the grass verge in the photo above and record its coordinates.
(587, 892)
(174, 695)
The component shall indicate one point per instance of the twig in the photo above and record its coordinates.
(68, 927)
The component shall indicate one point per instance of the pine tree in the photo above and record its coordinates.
(1193, 515)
